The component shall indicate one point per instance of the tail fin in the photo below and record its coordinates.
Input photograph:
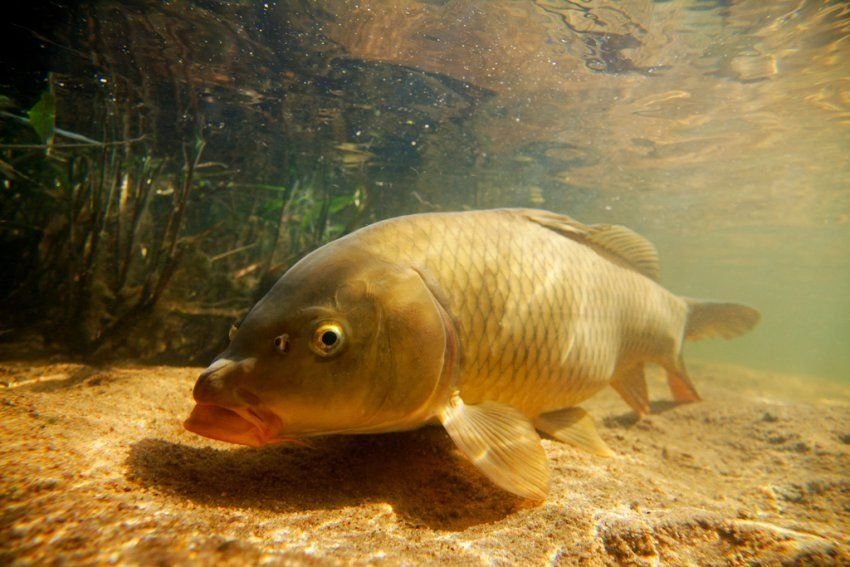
(708, 319)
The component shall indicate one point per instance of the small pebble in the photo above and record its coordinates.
(777, 438)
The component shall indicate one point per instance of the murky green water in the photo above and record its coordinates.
(797, 276)
(720, 130)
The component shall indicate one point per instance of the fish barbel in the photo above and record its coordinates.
(495, 324)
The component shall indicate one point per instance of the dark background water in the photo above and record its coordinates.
(244, 134)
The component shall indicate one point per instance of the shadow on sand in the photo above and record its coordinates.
(416, 472)
(630, 418)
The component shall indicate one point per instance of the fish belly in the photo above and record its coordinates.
(543, 322)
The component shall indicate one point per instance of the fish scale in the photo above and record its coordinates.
(517, 298)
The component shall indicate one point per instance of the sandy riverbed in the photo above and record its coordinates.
(97, 468)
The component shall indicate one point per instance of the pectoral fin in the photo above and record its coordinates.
(573, 426)
(502, 443)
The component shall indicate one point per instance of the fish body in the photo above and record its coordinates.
(543, 321)
(494, 323)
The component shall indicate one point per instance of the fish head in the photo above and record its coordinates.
(344, 342)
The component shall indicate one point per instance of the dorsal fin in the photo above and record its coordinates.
(624, 244)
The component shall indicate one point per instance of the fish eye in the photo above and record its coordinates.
(281, 343)
(327, 339)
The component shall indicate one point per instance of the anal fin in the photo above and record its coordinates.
(574, 426)
(631, 385)
(681, 387)
(502, 443)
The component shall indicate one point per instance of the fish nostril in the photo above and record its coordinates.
(247, 396)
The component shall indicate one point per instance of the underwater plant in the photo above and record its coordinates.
(99, 257)
(164, 151)
(102, 227)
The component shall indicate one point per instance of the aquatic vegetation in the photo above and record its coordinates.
(104, 256)
(104, 225)
(42, 116)
(155, 158)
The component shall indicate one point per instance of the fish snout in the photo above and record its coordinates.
(227, 410)
(216, 382)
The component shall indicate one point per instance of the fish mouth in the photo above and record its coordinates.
(249, 426)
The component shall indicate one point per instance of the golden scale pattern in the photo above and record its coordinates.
(539, 316)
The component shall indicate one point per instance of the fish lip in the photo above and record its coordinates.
(244, 425)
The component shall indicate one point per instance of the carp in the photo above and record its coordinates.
(496, 324)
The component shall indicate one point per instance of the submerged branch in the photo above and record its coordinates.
(92, 144)
(229, 253)
(84, 140)
(177, 218)
(162, 266)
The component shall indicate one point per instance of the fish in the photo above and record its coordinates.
(353, 155)
(496, 324)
